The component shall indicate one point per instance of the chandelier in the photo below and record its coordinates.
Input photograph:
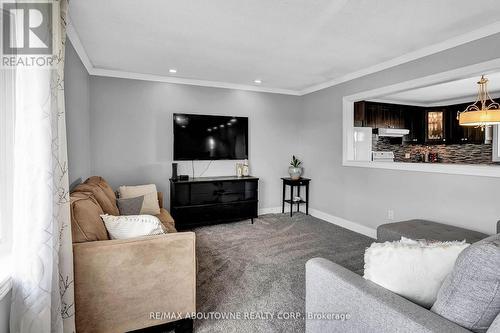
(483, 112)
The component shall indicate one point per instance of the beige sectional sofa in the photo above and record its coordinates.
(122, 285)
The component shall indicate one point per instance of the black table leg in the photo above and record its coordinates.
(291, 200)
(307, 199)
(298, 202)
(284, 191)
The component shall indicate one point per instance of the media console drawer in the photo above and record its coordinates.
(209, 200)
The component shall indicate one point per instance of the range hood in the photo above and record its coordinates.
(393, 132)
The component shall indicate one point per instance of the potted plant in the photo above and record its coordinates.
(295, 170)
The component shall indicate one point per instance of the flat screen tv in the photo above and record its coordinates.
(204, 137)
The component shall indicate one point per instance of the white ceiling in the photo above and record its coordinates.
(289, 44)
(463, 90)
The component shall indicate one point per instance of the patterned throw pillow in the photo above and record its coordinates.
(130, 206)
(123, 227)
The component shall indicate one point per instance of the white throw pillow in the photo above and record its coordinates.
(150, 204)
(129, 226)
(412, 269)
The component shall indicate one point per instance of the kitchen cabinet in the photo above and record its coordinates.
(415, 123)
(416, 119)
(359, 114)
(462, 134)
(435, 125)
(378, 115)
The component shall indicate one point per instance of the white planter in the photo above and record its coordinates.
(294, 172)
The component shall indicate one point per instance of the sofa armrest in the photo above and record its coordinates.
(119, 283)
(331, 288)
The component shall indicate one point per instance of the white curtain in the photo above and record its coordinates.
(42, 299)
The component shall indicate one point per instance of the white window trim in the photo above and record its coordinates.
(458, 169)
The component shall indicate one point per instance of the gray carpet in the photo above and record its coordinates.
(260, 267)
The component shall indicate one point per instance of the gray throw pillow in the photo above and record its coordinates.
(470, 295)
(130, 206)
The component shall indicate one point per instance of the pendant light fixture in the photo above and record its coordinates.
(483, 112)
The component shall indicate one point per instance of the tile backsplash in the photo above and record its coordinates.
(453, 154)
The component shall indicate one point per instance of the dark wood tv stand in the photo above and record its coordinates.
(209, 200)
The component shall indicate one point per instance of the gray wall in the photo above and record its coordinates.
(76, 81)
(364, 195)
(131, 143)
(131, 131)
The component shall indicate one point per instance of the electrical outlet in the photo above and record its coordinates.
(390, 214)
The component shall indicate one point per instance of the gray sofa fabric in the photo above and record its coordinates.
(423, 229)
(495, 326)
(470, 296)
(332, 289)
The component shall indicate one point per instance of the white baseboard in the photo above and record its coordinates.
(269, 210)
(356, 227)
(341, 222)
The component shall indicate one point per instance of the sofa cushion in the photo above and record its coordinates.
(130, 206)
(495, 325)
(470, 295)
(412, 269)
(150, 204)
(130, 226)
(106, 204)
(102, 183)
(424, 229)
(167, 220)
(86, 222)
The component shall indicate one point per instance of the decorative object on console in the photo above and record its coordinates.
(246, 169)
(483, 112)
(239, 169)
(412, 269)
(130, 206)
(123, 227)
(150, 204)
(295, 169)
(174, 171)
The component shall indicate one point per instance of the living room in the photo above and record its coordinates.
(250, 167)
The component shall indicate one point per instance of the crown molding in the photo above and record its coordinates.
(73, 36)
(444, 102)
(426, 51)
(485, 31)
(192, 82)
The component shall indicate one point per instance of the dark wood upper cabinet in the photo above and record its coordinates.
(416, 119)
(462, 134)
(378, 115)
(359, 114)
(415, 123)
